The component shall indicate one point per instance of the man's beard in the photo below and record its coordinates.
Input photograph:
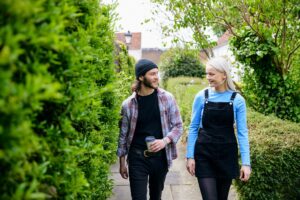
(148, 84)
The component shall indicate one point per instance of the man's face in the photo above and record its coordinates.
(151, 79)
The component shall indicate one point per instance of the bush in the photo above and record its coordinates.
(278, 89)
(275, 155)
(58, 111)
(125, 72)
(181, 62)
(184, 90)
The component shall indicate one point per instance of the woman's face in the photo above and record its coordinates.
(214, 77)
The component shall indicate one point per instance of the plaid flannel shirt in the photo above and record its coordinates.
(170, 121)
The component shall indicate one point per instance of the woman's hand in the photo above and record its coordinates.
(245, 173)
(190, 166)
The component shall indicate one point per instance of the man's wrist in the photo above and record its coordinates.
(122, 160)
(165, 140)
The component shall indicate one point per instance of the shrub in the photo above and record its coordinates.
(58, 111)
(277, 87)
(125, 72)
(181, 62)
(184, 90)
(275, 155)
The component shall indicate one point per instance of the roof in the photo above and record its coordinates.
(224, 38)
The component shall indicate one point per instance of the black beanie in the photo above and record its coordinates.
(142, 66)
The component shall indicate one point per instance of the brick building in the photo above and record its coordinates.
(152, 54)
(134, 47)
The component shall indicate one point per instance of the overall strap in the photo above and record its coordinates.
(232, 97)
(206, 95)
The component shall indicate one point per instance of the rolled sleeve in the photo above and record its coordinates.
(175, 122)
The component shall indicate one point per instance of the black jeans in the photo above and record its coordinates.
(140, 168)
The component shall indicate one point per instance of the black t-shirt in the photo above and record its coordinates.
(148, 121)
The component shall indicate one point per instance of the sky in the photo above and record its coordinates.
(132, 14)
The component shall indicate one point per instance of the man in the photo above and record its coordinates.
(149, 111)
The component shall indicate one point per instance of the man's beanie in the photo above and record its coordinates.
(142, 66)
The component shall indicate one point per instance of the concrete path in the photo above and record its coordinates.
(179, 185)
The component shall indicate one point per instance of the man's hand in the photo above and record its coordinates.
(123, 168)
(190, 166)
(159, 144)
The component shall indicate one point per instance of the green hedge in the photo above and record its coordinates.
(178, 62)
(184, 90)
(125, 68)
(58, 108)
(275, 155)
(268, 85)
(274, 143)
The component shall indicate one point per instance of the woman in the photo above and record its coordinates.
(212, 153)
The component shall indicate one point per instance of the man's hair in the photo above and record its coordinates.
(136, 86)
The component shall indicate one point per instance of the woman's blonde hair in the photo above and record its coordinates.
(222, 65)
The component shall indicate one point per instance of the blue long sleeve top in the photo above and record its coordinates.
(239, 107)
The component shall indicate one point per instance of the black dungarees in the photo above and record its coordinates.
(216, 153)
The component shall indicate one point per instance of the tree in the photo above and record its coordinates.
(271, 26)
(281, 18)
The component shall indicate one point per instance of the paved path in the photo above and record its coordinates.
(179, 185)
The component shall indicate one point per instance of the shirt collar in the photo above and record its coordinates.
(133, 97)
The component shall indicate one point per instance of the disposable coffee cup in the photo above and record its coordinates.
(149, 140)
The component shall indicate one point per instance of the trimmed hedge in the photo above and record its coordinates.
(178, 62)
(58, 107)
(184, 90)
(125, 68)
(275, 155)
